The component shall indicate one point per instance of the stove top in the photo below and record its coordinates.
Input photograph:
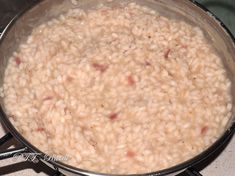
(223, 165)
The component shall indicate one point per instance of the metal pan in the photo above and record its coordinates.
(40, 11)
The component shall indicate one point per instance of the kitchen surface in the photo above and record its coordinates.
(223, 165)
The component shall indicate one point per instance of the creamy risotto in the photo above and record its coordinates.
(118, 90)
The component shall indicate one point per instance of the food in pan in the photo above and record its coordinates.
(118, 89)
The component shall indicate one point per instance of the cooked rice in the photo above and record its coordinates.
(118, 90)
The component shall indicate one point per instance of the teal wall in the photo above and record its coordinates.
(224, 9)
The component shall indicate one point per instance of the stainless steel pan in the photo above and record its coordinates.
(40, 11)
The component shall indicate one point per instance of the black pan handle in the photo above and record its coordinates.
(57, 173)
(10, 152)
(191, 172)
(16, 151)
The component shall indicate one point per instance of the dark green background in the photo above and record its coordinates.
(224, 9)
